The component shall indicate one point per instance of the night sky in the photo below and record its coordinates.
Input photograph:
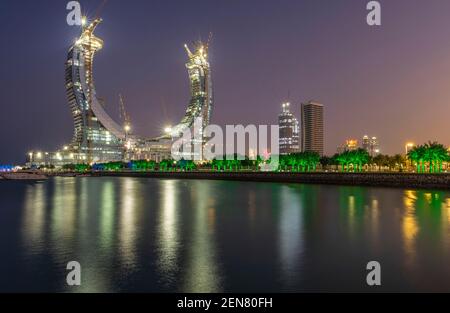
(391, 81)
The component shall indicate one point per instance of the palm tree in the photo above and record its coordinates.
(326, 162)
(360, 157)
(258, 162)
(312, 158)
(284, 162)
(190, 165)
(218, 165)
(151, 165)
(418, 155)
(432, 153)
(292, 161)
(422, 157)
(164, 165)
(182, 164)
(428, 156)
(342, 159)
(415, 155)
(436, 155)
(398, 161)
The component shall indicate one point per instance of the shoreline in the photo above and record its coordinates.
(392, 180)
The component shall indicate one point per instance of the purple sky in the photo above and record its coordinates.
(392, 81)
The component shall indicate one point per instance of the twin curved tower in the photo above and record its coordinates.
(97, 137)
(201, 89)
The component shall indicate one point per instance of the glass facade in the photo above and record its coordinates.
(96, 135)
(289, 131)
(201, 102)
(97, 138)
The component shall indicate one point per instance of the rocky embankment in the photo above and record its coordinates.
(400, 180)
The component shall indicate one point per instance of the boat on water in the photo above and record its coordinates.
(24, 176)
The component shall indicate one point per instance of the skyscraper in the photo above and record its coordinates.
(201, 89)
(374, 146)
(288, 124)
(312, 127)
(366, 143)
(371, 145)
(97, 138)
(200, 106)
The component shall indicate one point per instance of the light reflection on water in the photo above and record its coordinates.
(410, 228)
(134, 234)
(202, 266)
(291, 237)
(128, 222)
(168, 233)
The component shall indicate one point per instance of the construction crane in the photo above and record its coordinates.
(100, 8)
(124, 115)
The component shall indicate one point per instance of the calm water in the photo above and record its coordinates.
(149, 235)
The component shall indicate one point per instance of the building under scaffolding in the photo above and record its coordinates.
(97, 137)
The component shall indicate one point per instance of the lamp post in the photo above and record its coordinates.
(127, 129)
(408, 146)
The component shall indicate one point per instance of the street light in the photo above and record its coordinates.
(408, 146)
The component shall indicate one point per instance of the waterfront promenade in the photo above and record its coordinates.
(399, 180)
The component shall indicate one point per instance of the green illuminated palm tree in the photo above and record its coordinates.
(218, 165)
(344, 160)
(82, 167)
(165, 165)
(292, 161)
(436, 154)
(258, 162)
(359, 158)
(432, 153)
(151, 165)
(284, 162)
(190, 165)
(417, 156)
(312, 159)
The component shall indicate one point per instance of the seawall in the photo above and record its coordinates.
(398, 180)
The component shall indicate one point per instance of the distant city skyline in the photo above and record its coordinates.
(373, 80)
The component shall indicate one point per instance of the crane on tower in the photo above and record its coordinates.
(100, 8)
(124, 115)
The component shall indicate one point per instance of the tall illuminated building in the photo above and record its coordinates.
(201, 102)
(374, 146)
(312, 127)
(366, 143)
(371, 145)
(97, 137)
(289, 128)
